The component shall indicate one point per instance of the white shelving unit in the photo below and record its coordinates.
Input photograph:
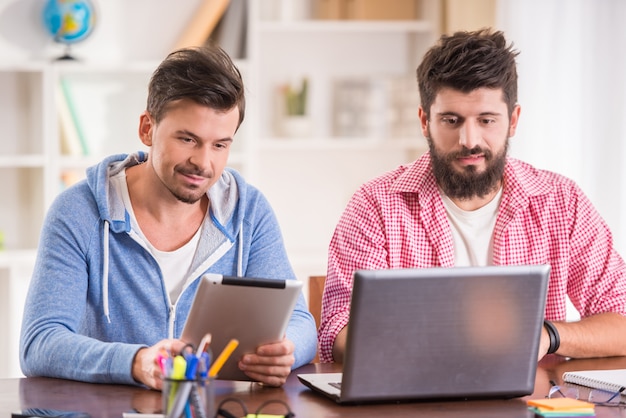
(308, 180)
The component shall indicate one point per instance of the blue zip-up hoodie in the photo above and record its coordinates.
(97, 295)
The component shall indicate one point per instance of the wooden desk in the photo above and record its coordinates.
(113, 400)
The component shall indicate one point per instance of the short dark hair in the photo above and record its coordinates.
(205, 75)
(466, 61)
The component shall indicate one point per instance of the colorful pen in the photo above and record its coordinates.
(205, 362)
(206, 340)
(221, 359)
(179, 367)
(162, 361)
(179, 391)
(192, 368)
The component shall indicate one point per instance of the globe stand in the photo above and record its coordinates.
(67, 55)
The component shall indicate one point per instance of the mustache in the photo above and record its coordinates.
(194, 171)
(467, 152)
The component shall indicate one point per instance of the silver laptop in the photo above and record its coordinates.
(440, 333)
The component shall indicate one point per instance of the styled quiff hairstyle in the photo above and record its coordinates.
(466, 61)
(205, 75)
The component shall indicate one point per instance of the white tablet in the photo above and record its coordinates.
(252, 310)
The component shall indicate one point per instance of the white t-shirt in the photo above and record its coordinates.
(175, 264)
(472, 232)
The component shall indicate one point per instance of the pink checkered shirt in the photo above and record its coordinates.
(398, 221)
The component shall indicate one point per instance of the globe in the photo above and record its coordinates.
(69, 21)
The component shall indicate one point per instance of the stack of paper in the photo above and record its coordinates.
(561, 407)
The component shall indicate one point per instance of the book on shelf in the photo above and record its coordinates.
(381, 10)
(611, 380)
(366, 9)
(70, 142)
(70, 177)
(202, 24)
(73, 141)
(329, 9)
(230, 32)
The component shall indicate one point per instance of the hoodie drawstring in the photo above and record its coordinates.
(105, 272)
(105, 266)
(240, 255)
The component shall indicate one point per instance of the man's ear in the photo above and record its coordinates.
(146, 125)
(514, 119)
(423, 121)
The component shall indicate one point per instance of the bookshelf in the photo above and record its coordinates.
(321, 171)
(307, 180)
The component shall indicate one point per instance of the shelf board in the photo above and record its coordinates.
(23, 66)
(416, 26)
(25, 161)
(78, 161)
(113, 67)
(315, 143)
(10, 258)
(105, 67)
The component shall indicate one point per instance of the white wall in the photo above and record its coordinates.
(573, 95)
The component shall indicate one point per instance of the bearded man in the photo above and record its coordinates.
(466, 203)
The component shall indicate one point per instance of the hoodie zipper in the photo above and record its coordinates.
(224, 248)
(170, 331)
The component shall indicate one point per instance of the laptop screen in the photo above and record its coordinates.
(444, 332)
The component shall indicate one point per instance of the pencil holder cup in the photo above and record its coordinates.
(188, 398)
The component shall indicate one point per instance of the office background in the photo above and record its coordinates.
(571, 91)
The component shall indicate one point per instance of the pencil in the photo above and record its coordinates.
(224, 355)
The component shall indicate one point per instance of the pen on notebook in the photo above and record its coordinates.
(221, 359)
(616, 394)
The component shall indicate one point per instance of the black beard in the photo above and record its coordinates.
(469, 183)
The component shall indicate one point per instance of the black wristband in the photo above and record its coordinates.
(555, 340)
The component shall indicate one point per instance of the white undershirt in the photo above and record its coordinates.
(175, 264)
(472, 232)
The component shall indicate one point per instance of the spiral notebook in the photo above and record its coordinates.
(612, 380)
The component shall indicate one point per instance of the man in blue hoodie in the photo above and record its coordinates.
(121, 253)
